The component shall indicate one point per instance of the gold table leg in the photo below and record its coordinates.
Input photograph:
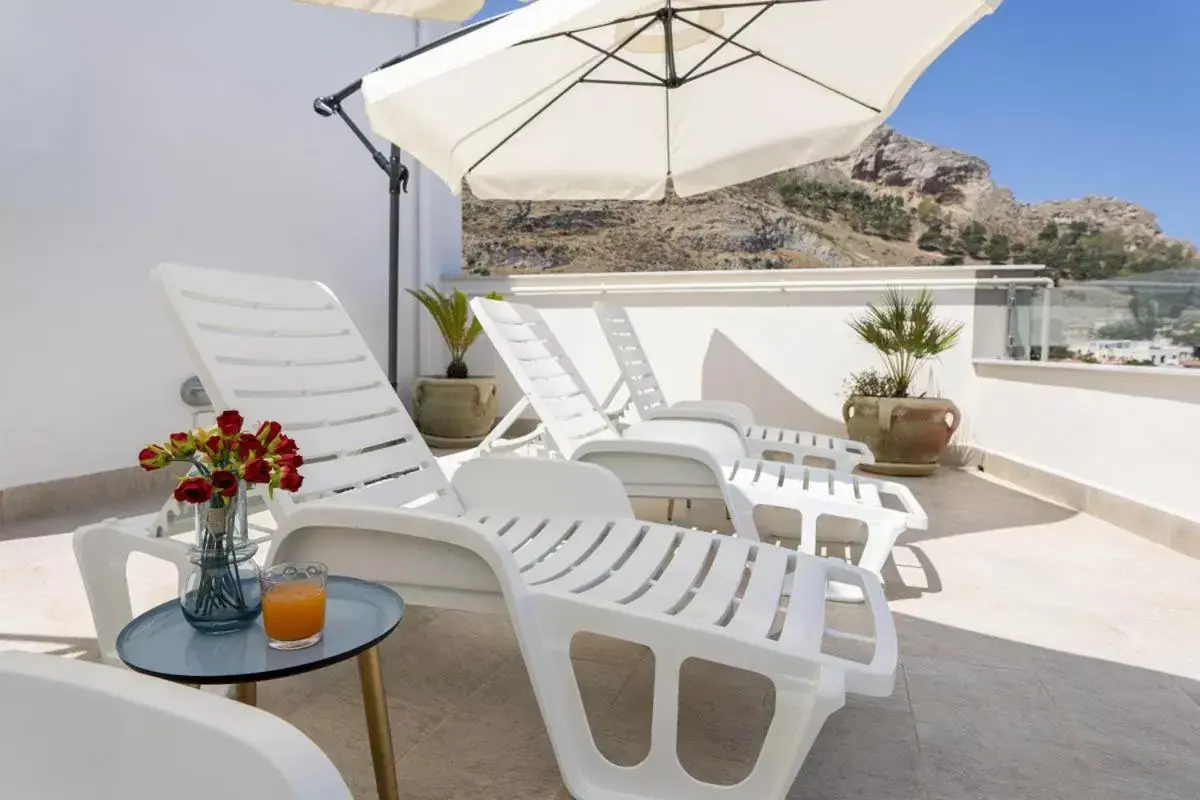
(246, 693)
(379, 727)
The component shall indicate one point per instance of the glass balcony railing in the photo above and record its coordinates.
(1150, 319)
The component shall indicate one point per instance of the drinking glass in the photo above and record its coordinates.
(293, 604)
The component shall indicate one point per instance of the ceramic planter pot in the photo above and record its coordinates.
(907, 434)
(455, 410)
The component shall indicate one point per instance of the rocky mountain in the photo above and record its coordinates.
(895, 200)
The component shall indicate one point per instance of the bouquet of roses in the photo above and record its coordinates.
(223, 455)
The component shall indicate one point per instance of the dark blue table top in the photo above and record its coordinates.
(358, 615)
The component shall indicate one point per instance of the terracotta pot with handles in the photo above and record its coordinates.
(453, 412)
(907, 434)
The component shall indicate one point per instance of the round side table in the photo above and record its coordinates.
(358, 616)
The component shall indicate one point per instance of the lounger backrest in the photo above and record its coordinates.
(544, 373)
(285, 349)
(643, 387)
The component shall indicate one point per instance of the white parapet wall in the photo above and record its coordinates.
(1132, 432)
(776, 340)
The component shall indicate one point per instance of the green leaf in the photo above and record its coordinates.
(452, 314)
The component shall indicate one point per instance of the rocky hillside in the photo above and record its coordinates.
(896, 200)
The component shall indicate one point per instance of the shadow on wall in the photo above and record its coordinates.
(729, 373)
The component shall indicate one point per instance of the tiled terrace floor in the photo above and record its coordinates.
(1045, 655)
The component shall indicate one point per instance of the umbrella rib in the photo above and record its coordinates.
(607, 82)
(614, 57)
(597, 26)
(727, 6)
(638, 32)
(735, 62)
(770, 60)
(732, 36)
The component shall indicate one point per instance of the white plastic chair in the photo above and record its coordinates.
(648, 398)
(689, 458)
(72, 730)
(551, 543)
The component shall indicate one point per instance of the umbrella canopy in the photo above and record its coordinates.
(593, 99)
(449, 10)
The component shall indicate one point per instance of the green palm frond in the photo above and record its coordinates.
(452, 315)
(906, 333)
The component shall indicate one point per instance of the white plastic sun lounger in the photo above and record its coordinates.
(552, 543)
(687, 458)
(74, 730)
(647, 397)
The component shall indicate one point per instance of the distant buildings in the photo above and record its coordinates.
(1158, 353)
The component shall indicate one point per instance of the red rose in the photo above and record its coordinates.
(290, 480)
(291, 460)
(194, 490)
(213, 446)
(284, 445)
(153, 457)
(182, 445)
(249, 447)
(230, 423)
(257, 470)
(225, 482)
(268, 431)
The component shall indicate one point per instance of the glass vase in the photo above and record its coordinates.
(222, 594)
(235, 522)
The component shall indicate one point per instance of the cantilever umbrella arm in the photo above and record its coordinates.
(330, 106)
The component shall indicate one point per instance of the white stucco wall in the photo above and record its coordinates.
(140, 131)
(1131, 431)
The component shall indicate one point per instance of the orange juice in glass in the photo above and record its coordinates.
(293, 603)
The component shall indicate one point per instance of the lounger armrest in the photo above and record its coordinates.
(540, 486)
(102, 554)
(917, 518)
(397, 546)
(650, 447)
(687, 411)
(878, 678)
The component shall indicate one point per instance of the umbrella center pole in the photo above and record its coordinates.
(397, 184)
(665, 16)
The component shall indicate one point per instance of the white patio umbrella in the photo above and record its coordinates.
(448, 10)
(591, 99)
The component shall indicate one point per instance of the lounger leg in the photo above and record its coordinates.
(881, 538)
(808, 533)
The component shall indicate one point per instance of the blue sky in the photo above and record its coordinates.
(1071, 97)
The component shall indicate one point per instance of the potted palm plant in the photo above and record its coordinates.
(907, 433)
(454, 409)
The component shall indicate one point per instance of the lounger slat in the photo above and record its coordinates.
(354, 470)
(267, 322)
(589, 535)
(868, 493)
(351, 436)
(330, 347)
(519, 532)
(621, 538)
(534, 350)
(575, 405)
(303, 411)
(424, 488)
(760, 603)
(629, 578)
(552, 535)
(675, 584)
(804, 625)
(300, 378)
(714, 600)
